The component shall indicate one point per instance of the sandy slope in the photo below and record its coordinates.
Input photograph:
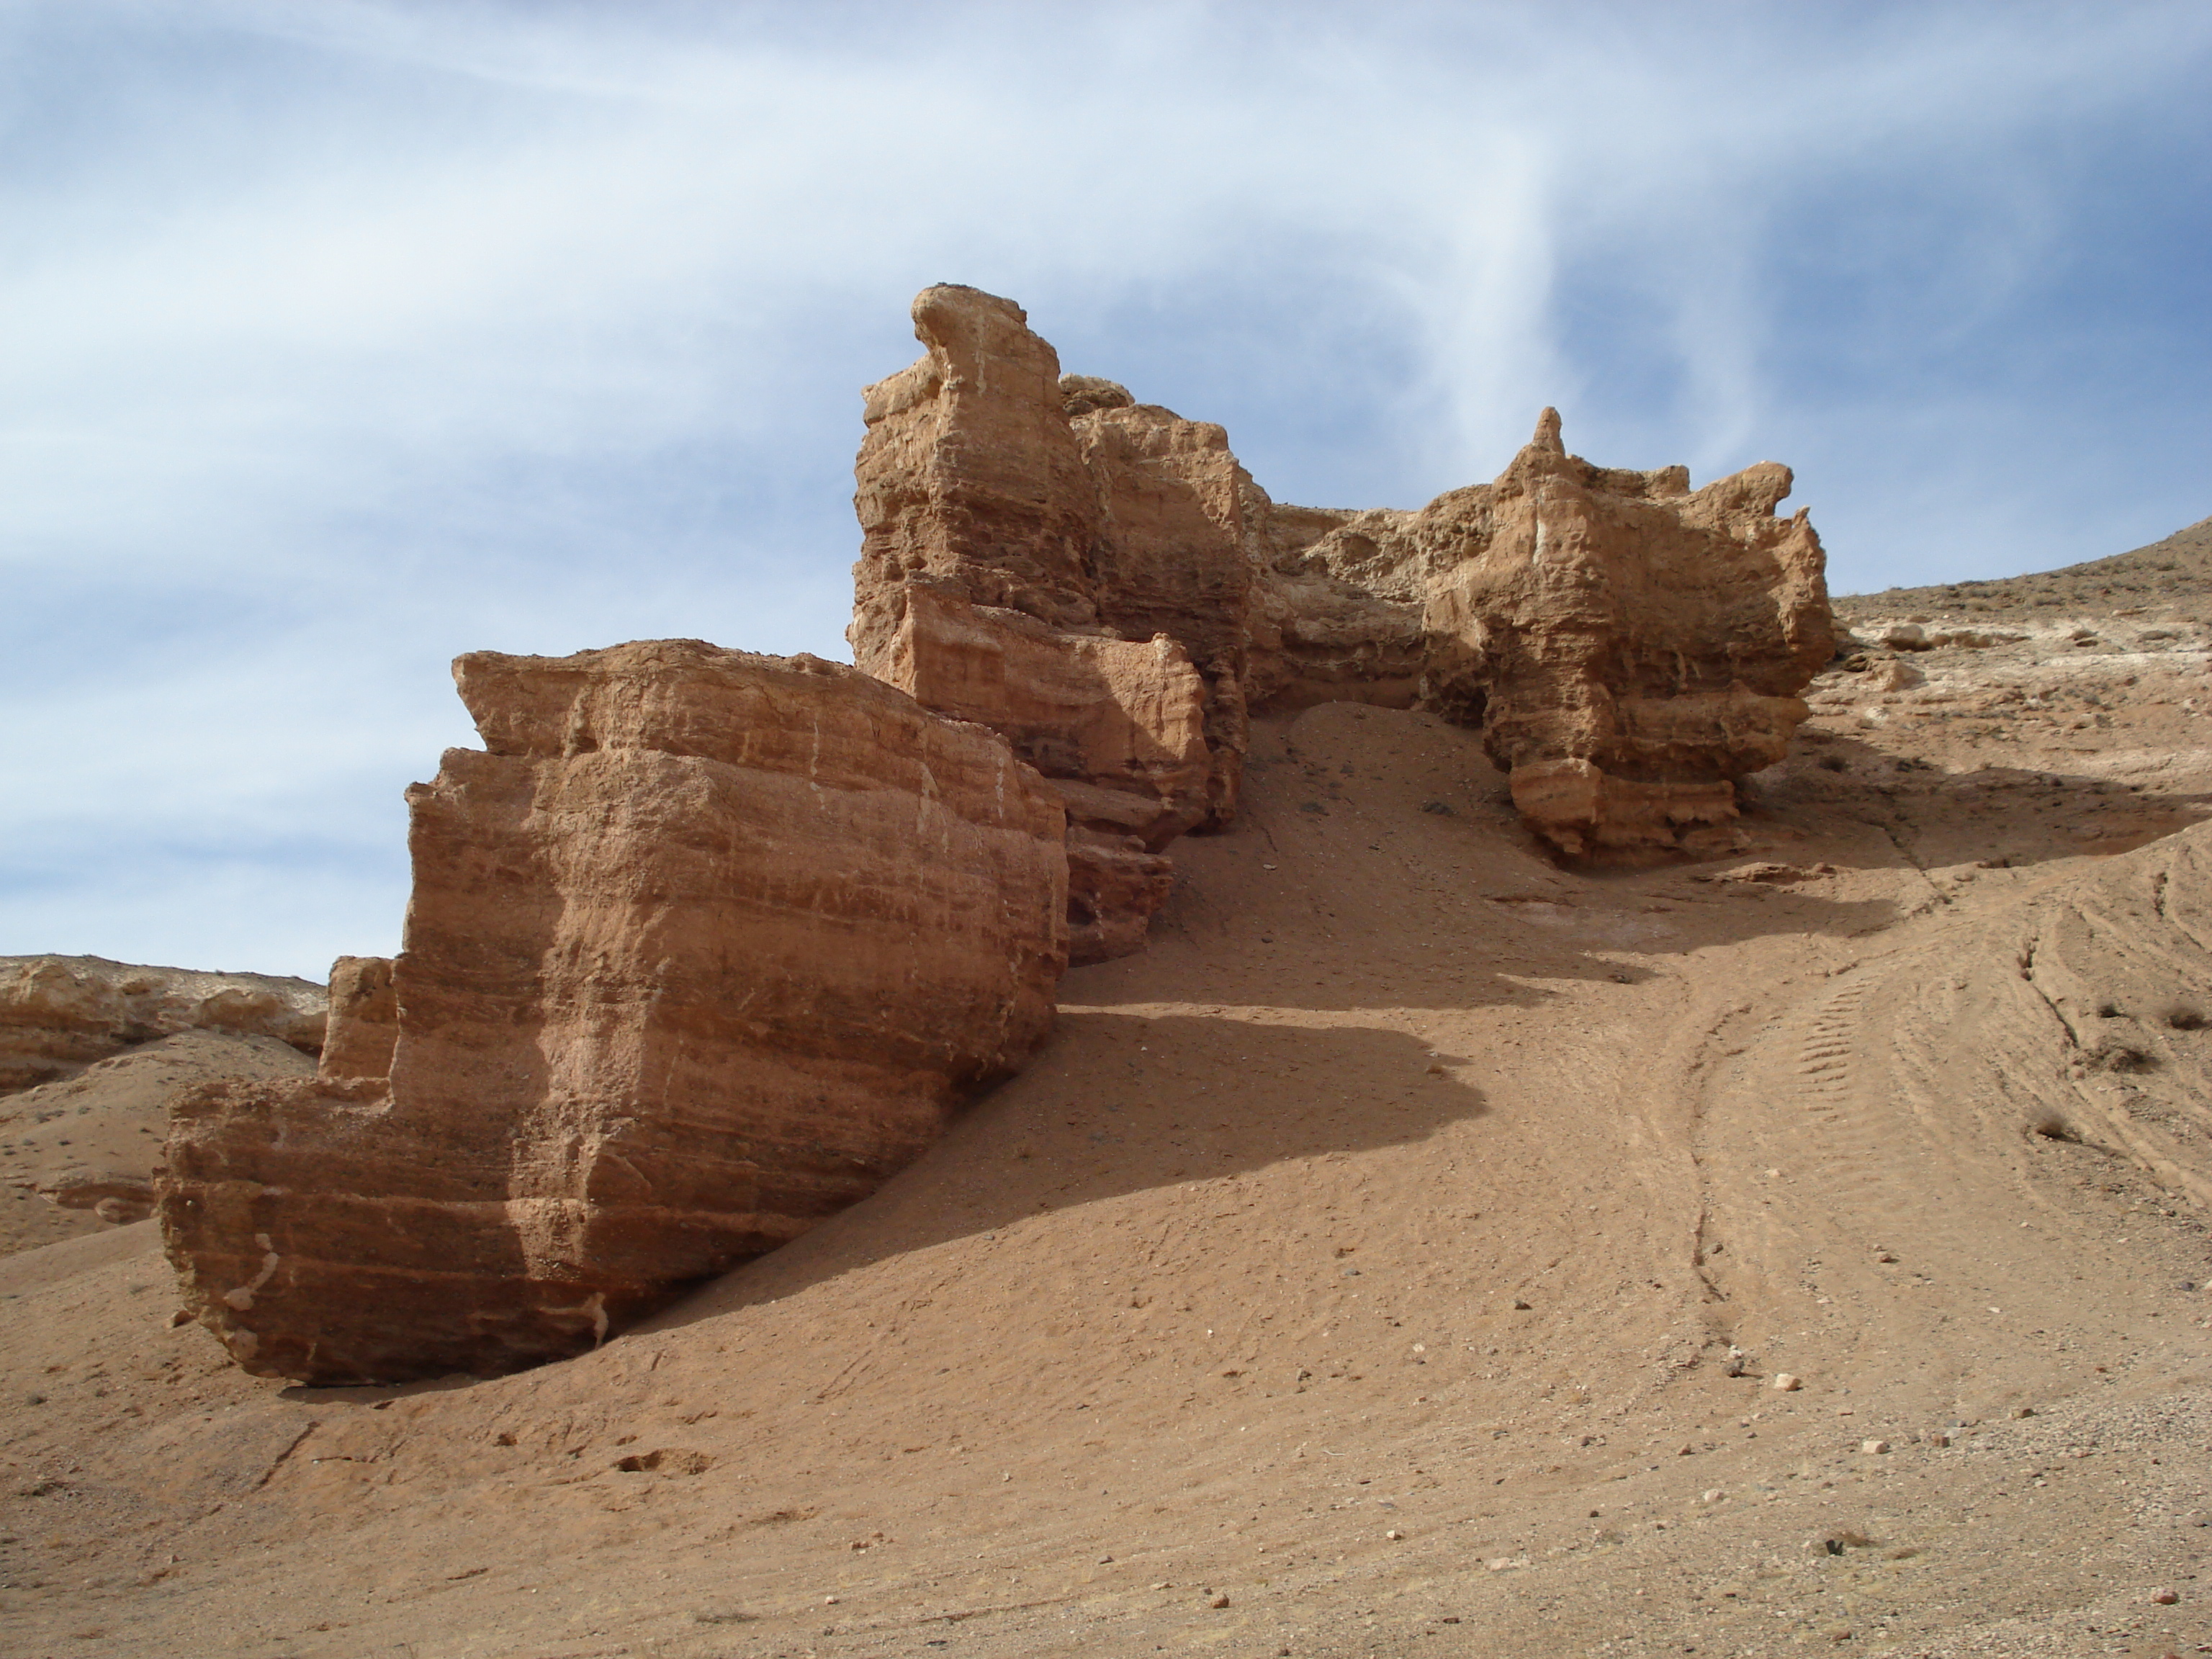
(100, 1129)
(1361, 1271)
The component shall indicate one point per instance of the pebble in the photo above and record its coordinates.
(2165, 1598)
(828, 1601)
(1874, 1448)
(1785, 1383)
(1221, 1601)
(1393, 1532)
(1712, 1495)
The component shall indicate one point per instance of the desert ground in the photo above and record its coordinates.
(1412, 1253)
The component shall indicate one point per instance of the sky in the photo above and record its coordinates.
(337, 337)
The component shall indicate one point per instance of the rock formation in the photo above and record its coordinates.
(1045, 556)
(703, 946)
(1630, 646)
(59, 1014)
(1099, 580)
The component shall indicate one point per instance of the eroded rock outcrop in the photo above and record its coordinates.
(1044, 555)
(1630, 646)
(1100, 580)
(703, 946)
(59, 1014)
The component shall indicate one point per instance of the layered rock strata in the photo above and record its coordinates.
(1044, 555)
(703, 946)
(1102, 582)
(59, 1014)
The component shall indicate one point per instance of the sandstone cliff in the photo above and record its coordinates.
(703, 946)
(1100, 580)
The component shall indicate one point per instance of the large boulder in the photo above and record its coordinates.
(703, 947)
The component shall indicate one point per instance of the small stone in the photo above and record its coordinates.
(1686, 1452)
(1521, 1307)
(1393, 1534)
(2165, 1598)
(2023, 1411)
(1883, 1255)
(1712, 1495)
(1785, 1383)
(1221, 1601)
(181, 1317)
(1939, 1439)
(1874, 1448)
(828, 1601)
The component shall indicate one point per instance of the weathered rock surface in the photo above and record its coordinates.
(702, 948)
(1630, 646)
(1043, 556)
(59, 1014)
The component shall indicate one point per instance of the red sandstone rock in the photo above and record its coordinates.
(703, 947)
(364, 1020)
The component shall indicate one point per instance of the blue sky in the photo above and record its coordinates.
(343, 338)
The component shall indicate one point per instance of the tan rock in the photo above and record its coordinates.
(1337, 608)
(1170, 560)
(59, 1014)
(1111, 714)
(970, 473)
(1630, 647)
(702, 949)
(1041, 554)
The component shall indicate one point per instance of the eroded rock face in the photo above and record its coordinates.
(1044, 555)
(1630, 646)
(59, 1014)
(703, 947)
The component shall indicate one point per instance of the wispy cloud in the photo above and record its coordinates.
(341, 337)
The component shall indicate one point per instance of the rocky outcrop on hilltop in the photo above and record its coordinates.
(1630, 645)
(703, 947)
(59, 1014)
(1100, 580)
